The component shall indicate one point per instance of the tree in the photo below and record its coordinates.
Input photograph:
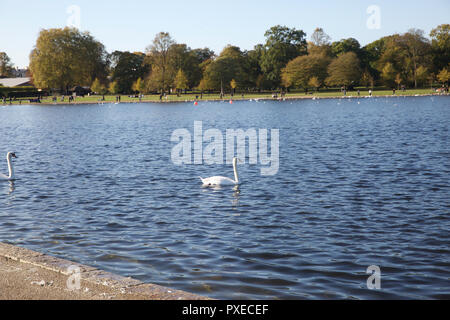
(282, 45)
(252, 67)
(320, 38)
(415, 49)
(66, 57)
(344, 70)
(6, 66)
(388, 74)
(233, 85)
(320, 43)
(444, 76)
(181, 82)
(139, 86)
(314, 82)
(422, 75)
(113, 87)
(228, 66)
(180, 56)
(440, 44)
(299, 71)
(345, 45)
(126, 68)
(159, 53)
(398, 80)
(203, 54)
(98, 87)
(367, 79)
(203, 85)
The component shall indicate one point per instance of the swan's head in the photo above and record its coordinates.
(11, 155)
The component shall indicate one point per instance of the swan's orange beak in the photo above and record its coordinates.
(13, 155)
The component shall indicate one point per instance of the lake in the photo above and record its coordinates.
(362, 182)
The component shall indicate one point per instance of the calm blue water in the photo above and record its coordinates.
(361, 182)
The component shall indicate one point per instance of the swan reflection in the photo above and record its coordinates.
(11, 187)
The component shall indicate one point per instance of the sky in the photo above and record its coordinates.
(132, 25)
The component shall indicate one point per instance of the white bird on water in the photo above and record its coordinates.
(10, 167)
(221, 181)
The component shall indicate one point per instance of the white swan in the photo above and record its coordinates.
(220, 181)
(10, 167)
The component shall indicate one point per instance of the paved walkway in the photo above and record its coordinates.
(30, 275)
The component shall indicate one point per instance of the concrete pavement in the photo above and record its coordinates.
(30, 275)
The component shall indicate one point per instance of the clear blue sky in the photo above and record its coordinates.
(132, 24)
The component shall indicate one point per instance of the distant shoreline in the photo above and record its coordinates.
(234, 99)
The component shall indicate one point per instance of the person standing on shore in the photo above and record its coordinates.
(370, 92)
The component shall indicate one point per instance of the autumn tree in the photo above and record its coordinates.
(113, 87)
(139, 86)
(344, 70)
(67, 57)
(299, 71)
(444, 76)
(315, 83)
(159, 54)
(181, 82)
(98, 87)
(389, 74)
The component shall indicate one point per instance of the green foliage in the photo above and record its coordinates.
(158, 52)
(444, 75)
(98, 87)
(314, 82)
(344, 70)
(126, 68)
(299, 71)
(6, 66)
(63, 58)
(367, 79)
(139, 86)
(282, 45)
(113, 87)
(345, 45)
(389, 74)
(181, 82)
(228, 66)
(440, 43)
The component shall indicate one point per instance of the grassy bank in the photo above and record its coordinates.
(192, 97)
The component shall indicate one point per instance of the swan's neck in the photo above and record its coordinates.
(236, 177)
(11, 169)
